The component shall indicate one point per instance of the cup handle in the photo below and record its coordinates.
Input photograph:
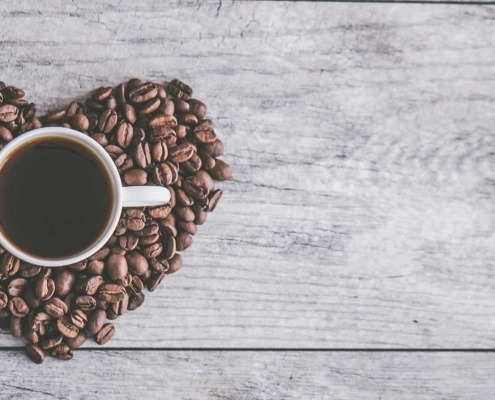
(144, 196)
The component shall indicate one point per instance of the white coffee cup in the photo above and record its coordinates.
(131, 196)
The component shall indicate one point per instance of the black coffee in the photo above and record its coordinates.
(55, 198)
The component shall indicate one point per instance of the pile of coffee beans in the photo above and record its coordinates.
(157, 135)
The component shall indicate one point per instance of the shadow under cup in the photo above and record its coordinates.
(57, 197)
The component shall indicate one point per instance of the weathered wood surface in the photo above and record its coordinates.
(251, 375)
(361, 212)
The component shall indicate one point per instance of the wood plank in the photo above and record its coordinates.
(251, 375)
(361, 210)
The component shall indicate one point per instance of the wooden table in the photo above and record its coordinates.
(352, 256)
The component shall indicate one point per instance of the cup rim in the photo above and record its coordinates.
(116, 182)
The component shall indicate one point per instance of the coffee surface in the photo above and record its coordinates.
(55, 198)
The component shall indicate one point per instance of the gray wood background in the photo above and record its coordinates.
(360, 218)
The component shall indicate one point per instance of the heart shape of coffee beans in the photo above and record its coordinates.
(157, 135)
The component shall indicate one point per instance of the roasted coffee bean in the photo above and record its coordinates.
(169, 247)
(31, 336)
(155, 281)
(149, 106)
(199, 215)
(96, 321)
(214, 149)
(179, 89)
(107, 121)
(45, 288)
(168, 225)
(134, 219)
(86, 303)
(204, 135)
(184, 213)
(181, 131)
(4, 300)
(147, 240)
(120, 308)
(70, 299)
(51, 341)
(163, 120)
(78, 318)
(142, 155)
(116, 267)
(187, 227)
(143, 92)
(112, 241)
(150, 229)
(16, 328)
(95, 267)
(129, 113)
(123, 163)
(120, 95)
(55, 307)
(13, 92)
(73, 109)
(175, 264)
(183, 241)
(181, 152)
(159, 152)
(5, 135)
(119, 250)
(100, 254)
(124, 134)
(78, 341)
(162, 174)
(159, 212)
(221, 172)
(198, 108)
(9, 266)
(135, 301)
(183, 198)
(101, 139)
(167, 107)
(136, 262)
(111, 293)
(192, 165)
(136, 286)
(129, 241)
(30, 298)
(111, 103)
(64, 282)
(152, 251)
(34, 353)
(62, 352)
(105, 334)
(79, 122)
(15, 288)
(207, 161)
(139, 135)
(66, 328)
(187, 119)
(181, 106)
(93, 120)
(102, 93)
(54, 116)
(159, 264)
(94, 105)
(195, 187)
(120, 229)
(91, 284)
(135, 177)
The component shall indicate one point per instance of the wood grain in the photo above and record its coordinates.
(251, 375)
(361, 210)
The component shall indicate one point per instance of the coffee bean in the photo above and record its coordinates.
(149, 106)
(214, 149)
(107, 121)
(16, 287)
(159, 212)
(181, 131)
(116, 267)
(111, 103)
(134, 219)
(168, 225)
(135, 177)
(152, 251)
(142, 155)
(105, 334)
(94, 105)
(13, 92)
(30, 298)
(119, 250)
(150, 228)
(91, 284)
(159, 264)
(135, 301)
(120, 308)
(79, 122)
(96, 321)
(78, 341)
(192, 165)
(9, 266)
(129, 241)
(181, 106)
(143, 92)
(204, 135)
(95, 267)
(147, 240)
(66, 328)
(175, 264)
(102, 93)
(55, 307)
(73, 109)
(169, 247)
(163, 120)
(136, 285)
(31, 336)
(214, 198)
(198, 108)
(62, 352)
(183, 241)
(184, 213)
(187, 119)
(4, 300)
(207, 161)
(159, 152)
(124, 134)
(5, 135)
(221, 172)
(45, 288)
(93, 120)
(162, 174)
(199, 215)
(78, 319)
(111, 293)
(112, 241)
(101, 138)
(51, 341)
(86, 303)
(179, 89)
(136, 262)
(120, 95)
(18, 307)
(123, 163)
(54, 116)
(16, 328)
(34, 353)
(64, 281)
(188, 227)
(181, 152)
(155, 281)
